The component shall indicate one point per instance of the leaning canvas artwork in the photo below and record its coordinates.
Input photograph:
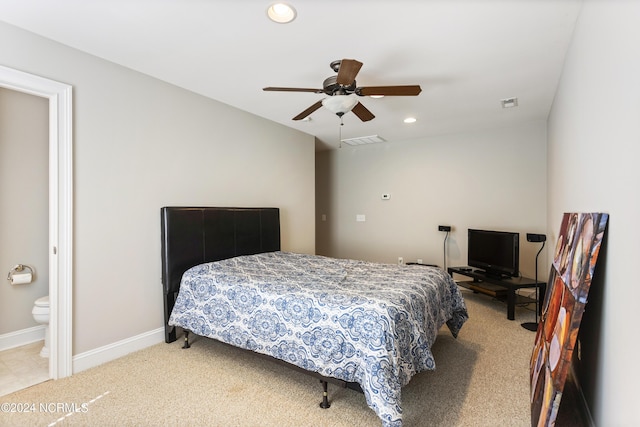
(574, 262)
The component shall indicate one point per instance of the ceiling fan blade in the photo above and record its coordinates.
(308, 111)
(291, 89)
(347, 72)
(362, 112)
(409, 90)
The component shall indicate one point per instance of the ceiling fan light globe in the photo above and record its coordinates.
(339, 104)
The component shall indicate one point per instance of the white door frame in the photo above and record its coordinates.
(60, 210)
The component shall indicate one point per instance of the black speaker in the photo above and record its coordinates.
(532, 237)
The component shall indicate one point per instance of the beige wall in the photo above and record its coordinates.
(140, 144)
(594, 134)
(494, 179)
(24, 196)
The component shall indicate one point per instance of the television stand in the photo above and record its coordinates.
(498, 287)
(493, 276)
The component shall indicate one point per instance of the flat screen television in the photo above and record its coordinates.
(495, 252)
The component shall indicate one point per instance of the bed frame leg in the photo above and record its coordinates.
(325, 401)
(186, 339)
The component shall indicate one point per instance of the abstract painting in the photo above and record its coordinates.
(574, 261)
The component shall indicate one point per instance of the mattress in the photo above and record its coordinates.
(356, 321)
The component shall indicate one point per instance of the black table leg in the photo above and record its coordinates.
(511, 304)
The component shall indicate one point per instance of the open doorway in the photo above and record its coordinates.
(59, 96)
(24, 253)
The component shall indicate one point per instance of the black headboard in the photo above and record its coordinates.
(195, 235)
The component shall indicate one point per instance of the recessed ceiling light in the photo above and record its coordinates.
(282, 13)
(410, 120)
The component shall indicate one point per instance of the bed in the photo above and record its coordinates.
(366, 326)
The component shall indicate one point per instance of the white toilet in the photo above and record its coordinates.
(41, 315)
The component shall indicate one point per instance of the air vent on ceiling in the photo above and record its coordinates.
(363, 140)
(509, 102)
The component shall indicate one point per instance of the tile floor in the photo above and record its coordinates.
(22, 367)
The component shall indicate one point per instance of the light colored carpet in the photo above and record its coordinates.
(481, 379)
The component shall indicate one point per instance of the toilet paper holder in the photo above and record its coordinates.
(19, 269)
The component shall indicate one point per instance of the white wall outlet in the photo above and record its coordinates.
(419, 261)
(400, 260)
(324, 217)
(386, 196)
(361, 218)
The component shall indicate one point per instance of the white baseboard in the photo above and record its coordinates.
(21, 337)
(107, 353)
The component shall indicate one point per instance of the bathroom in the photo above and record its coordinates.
(24, 231)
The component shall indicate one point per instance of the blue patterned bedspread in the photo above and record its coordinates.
(357, 321)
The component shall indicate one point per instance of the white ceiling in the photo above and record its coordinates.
(466, 55)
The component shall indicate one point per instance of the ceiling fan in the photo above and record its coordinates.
(340, 88)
